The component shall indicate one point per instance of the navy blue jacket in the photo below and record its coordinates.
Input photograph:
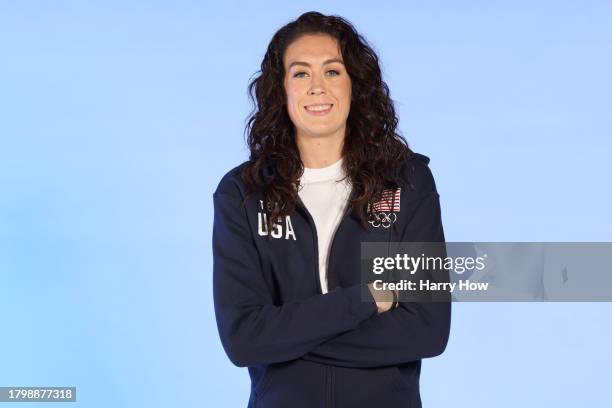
(308, 349)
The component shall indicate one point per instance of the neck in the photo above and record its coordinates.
(320, 151)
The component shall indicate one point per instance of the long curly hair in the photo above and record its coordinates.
(372, 147)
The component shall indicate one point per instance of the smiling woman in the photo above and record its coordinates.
(325, 161)
(318, 91)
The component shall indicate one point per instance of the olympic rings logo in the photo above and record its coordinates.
(382, 219)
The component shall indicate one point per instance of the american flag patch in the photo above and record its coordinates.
(389, 201)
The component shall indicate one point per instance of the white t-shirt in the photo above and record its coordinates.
(326, 199)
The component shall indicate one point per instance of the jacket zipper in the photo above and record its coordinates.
(327, 387)
(330, 384)
(329, 370)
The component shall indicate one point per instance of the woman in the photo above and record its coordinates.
(327, 171)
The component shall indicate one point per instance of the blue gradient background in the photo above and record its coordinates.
(117, 120)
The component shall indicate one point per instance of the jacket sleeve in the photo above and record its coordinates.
(411, 331)
(253, 329)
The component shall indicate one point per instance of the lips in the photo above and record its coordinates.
(319, 109)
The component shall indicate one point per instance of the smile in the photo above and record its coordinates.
(319, 110)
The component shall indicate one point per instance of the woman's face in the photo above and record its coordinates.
(317, 85)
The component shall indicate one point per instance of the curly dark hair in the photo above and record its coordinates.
(372, 147)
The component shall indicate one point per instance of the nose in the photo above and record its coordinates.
(316, 85)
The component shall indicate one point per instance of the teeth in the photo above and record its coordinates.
(317, 108)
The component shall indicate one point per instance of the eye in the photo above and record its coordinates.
(296, 75)
(336, 72)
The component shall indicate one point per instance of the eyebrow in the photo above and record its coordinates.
(328, 61)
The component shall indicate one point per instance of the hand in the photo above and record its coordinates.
(382, 305)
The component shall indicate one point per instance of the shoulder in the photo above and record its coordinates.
(231, 182)
(415, 174)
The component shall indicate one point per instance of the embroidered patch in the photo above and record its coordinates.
(382, 213)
